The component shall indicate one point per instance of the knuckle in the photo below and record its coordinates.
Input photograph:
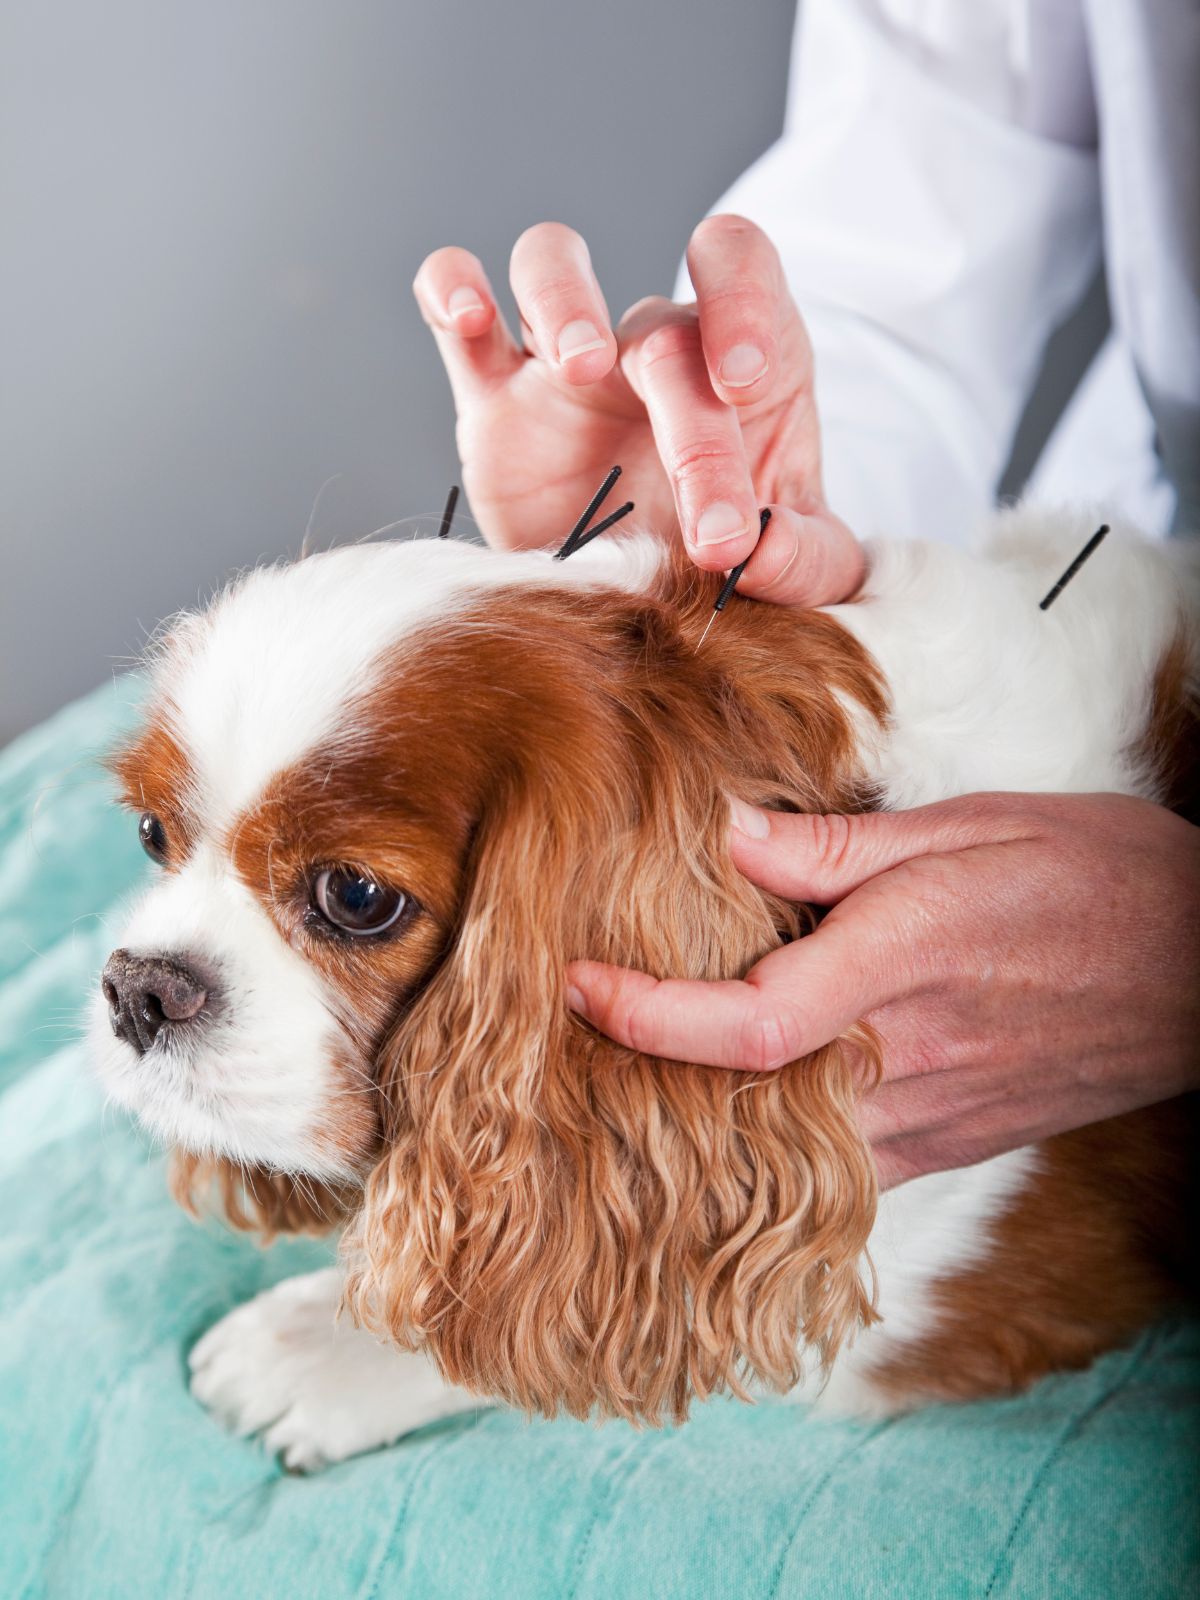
(742, 303)
(634, 1022)
(554, 296)
(676, 340)
(765, 1042)
(831, 836)
(694, 460)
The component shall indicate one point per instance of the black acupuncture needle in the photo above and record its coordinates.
(1088, 549)
(448, 513)
(594, 504)
(730, 584)
(601, 527)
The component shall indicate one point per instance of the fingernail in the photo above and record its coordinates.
(720, 522)
(463, 300)
(575, 999)
(577, 338)
(749, 820)
(742, 366)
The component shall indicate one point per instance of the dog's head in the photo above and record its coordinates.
(394, 790)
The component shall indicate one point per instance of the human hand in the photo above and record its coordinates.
(1029, 961)
(708, 408)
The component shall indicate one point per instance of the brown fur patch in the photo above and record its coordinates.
(1096, 1245)
(153, 774)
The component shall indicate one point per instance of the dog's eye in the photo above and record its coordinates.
(356, 904)
(153, 836)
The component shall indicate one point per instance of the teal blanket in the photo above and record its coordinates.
(113, 1482)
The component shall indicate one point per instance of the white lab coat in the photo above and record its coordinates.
(950, 174)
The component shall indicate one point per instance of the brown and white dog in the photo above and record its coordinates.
(396, 788)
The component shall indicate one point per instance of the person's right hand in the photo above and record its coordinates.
(708, 408)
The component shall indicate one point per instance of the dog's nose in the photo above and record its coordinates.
(148, 993)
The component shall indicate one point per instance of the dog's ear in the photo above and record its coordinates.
(256, 1199)
(565, 1224)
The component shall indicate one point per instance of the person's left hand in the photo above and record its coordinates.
(1029, 961)
(708, 408)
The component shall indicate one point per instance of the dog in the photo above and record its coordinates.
(395, 788)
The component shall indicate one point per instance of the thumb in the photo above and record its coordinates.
(794, 1000)
(804, 559)
(822, 859)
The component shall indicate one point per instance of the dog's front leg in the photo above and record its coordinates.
(318, 1388)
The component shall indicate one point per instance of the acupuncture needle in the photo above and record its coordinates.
(731, 582)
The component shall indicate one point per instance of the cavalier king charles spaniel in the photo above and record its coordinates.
(394, 789)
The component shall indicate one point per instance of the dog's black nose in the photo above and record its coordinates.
(148, 993)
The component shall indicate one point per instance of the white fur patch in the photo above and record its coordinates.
(925, 1231)
(990, 693)
(253, 1081)
(318, 1389)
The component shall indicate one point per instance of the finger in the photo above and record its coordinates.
(897, 1164)
(822, 859)
(929, 1111)
(698, 437)
(456, 301)
(804, 560)
(931, 1120)
(561, 303)
(740, 291)
(794, 1001)
(912, 1151)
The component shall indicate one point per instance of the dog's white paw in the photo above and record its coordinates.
(318, 1389)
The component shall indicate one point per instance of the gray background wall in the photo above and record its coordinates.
(211, 216)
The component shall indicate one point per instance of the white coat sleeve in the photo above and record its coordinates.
(1145, 57)
(935, 199)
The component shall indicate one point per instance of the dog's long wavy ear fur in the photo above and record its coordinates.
(256, 1199)
(563, 1223)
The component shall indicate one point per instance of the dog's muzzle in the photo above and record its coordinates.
(149, 996)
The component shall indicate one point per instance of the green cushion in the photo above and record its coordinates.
(113, 1482)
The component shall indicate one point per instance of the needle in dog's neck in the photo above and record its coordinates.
(730, 584)
(1088, 549)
